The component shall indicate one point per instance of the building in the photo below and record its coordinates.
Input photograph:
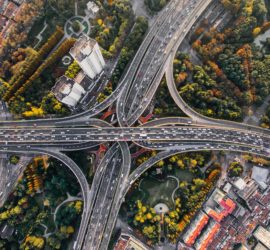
(227, 187)
(207, 237)
(260, 175)
(206, 225)
(18, 1)
(195, 228)
(129, 242)
(3, 22)
(5, 29)
(224, 206)
(10, 10)
(88, 55)
(68, 91)
(9, 13)
(260, 246)
(92, 8)
(242, 247)
(3, 4)
(246, 187)
(263, 236)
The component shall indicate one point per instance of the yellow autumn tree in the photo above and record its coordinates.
(34, 112)
(256, 31)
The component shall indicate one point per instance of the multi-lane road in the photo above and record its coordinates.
(171, 136)
(137, 95)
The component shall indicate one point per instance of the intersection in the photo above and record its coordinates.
(132, 96)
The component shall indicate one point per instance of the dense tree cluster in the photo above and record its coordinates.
(17, 33)
(155, 5)
(41, 189)
(256, 8)
(112, 25)
(238, 67)
(235, 169)
(31, 64)
(25, 98)
(257, 160)
(203, 92)
(34, 69)
(73, 70)
(265, 120)
(164, 104)
(12, 65)
(189, 161)
(130, 48)
(33, 242)
(68, 214)
(14, 159)
(58, 53)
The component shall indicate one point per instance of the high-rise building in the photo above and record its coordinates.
(68, 91)
(88, 55)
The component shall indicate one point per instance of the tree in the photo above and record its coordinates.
(256, 31)
(34, 112)
(14, 159)
(235, 169)
(33, 242)
(180, 164)
(160, 163)
(73, 70)
(54, 242)
(259, 9)
(198, 184)
(232, 5)
(155, 5)
(149, 231)
(76, 26)
(59, 52)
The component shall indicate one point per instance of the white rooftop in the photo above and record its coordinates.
(92, 6)
(227, 187)
(240, 184)
(82, 48)
(259, 174)
(262, 235)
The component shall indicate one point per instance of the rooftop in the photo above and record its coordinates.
(262, 235)
(92, 6)
(82, 48)
(260, 175)
(3, 21)
(62, 87)
(2, 5)
(129, 242)
(195, 228)
(83, 80)
(246, 187)
(10, 10)
(260, 246)
(240, 184)
(207, 237)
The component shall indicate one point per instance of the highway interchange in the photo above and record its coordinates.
(135, 91)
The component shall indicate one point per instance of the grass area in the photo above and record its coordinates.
(52, 18)
(158, 190)
(183, 175)
(83, 159)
